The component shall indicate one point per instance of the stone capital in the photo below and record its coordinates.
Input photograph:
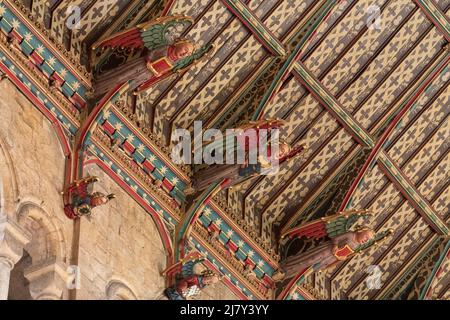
(48, 279)
(12, 241)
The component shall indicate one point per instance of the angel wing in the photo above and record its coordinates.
(331, 226)
(188, 268)
(151, 35)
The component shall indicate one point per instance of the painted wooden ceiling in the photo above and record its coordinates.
(369, 74)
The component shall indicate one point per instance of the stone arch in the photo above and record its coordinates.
(41, 273)
(8, 181)
(118, 290)
(47, 236)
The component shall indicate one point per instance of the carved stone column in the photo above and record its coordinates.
(48, 280)
(12, 241)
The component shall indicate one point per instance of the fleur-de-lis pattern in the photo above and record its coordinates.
(362, 76)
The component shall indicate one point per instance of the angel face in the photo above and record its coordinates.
(364, 236)
(98, 201)
(283, 150)
(183, 49)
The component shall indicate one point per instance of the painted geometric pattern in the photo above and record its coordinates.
(249, 51)
(370, 186)
(336, 14)
(436, 181)
(180, 95)
(376, 180)
(402, 217)
(340, 36)
(61, 16)
(38, 9)
(237, 66)
(45, 60)
(393, 258)
(92, 16)
(442, 203)
(388, 260)
(313, 173)
(140, 152)
(428, 120)
(379, 99)
(359, 66)
(427, 156)
(364, 48)
(399, 81)
(231, 239)
(383, 65)
(288, 12)
(334, 78)
(423, 189)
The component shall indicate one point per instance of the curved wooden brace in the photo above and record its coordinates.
(428, 289)
(90, 124)
(168, 6)
(74, 166)
(74, 162)
(274, 88)
(297, 280)
(185, 226)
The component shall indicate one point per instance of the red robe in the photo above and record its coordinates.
(143, 70)
(185, 284)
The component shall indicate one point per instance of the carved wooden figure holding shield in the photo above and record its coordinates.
(163, 54)
(342, 242)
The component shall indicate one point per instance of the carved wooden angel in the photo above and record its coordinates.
(163, 54)
(241, 172)
(189, 283)
(82, 199)
(341, 244)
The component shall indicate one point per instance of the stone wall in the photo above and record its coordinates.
(33, 177)
(120, 242)
(120, 252)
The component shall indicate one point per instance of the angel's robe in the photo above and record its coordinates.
(190, 286)
(323, 255)
(156, 63)
(237, 173)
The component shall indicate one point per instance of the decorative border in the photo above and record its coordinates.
(66, 58)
